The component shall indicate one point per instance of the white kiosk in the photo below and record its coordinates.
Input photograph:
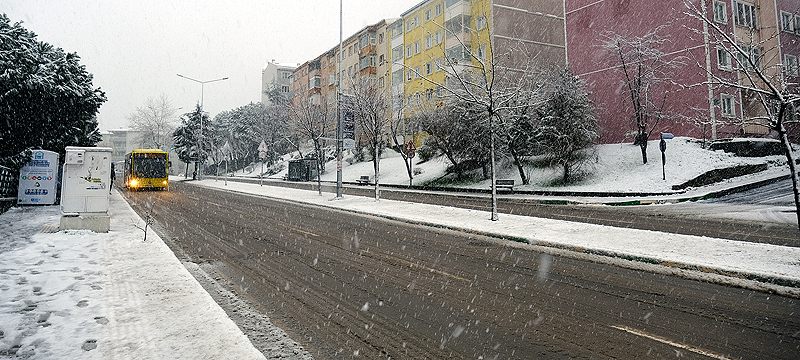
(85, 186)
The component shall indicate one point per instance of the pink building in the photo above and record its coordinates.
(696, 107)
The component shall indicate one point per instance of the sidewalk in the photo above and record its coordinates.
(771, 264)
(82, 295)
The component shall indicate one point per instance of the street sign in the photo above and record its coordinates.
(662, 145)
(410, 149)
(348, 144)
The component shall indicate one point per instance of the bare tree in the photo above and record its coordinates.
(313, 119)
(478, 85)
(647, 72)
(400, 127)
(370, 105)
(156, 122)
(778, 98)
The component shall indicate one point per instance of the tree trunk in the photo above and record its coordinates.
(643, 147)
(566, 173)
(787, 148)
(520, 168)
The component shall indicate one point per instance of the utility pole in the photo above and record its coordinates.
(339, 111)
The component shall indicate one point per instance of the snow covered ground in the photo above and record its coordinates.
(82, 295)
(771, 262)
(618, 168)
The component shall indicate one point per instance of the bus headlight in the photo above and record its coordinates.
(133, 183)
(164, 182)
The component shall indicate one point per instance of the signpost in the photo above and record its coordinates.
(38, 178)
(226, 151)
(262, 154)
(663, 146)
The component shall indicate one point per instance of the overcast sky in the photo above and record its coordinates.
(135, 48)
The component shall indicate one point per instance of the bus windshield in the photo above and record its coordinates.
(150, 165)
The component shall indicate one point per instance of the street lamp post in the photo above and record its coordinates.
(339, 110)
(202, 83)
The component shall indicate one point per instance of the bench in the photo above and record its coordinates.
(507, 184)
(363, 180)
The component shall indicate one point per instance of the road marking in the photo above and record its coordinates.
(663, 340)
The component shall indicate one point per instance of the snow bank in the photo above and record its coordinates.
(727, 256)
(618, 168)
(82, 295)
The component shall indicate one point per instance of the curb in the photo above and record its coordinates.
(454, 193)
(762, 278)
(710, 195)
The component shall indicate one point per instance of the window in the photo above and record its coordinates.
(427, 15)
(381, 60)
(409, 75)
(745, 14)
(480, 22)
(787, 22)
(397, 53)
(314, 82)
(438, 9)
(428, 41)
(416, 47)
(380, 38)
(331, 79)
(428, 69)
(397, 76)
(381, 82)
(438, 37)
(754, 56)
(720, 12)
(726, 104)
(724, 59)
(416, 72)
(285, 88)
(790, 65)
(482, 52)
(409, 51)
(797, 24)
(450, 3)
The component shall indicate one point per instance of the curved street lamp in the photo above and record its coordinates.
(200, 141)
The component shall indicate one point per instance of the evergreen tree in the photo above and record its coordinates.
(568, 126)
(47, 100)
(186, 138)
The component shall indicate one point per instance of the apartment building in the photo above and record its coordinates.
(365, 53)
(696, 106)
(441, 32)
(276, 76)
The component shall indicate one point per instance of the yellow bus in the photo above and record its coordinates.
(147, 169)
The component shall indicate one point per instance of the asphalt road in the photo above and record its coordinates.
(346, 285)
(685, 218)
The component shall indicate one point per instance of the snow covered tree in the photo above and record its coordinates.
(568, 127)
(370, 106)
(155, 121)
(646, 69)
(187, 137)
(775, 97)
(313, 119)
(47, 100)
